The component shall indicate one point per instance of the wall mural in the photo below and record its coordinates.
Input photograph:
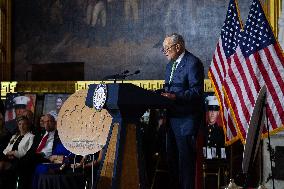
(111, 36)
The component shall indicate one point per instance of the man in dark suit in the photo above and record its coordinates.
(184, 80)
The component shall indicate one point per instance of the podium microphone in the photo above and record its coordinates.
(116, 76)
(125, 72)
(135, 73)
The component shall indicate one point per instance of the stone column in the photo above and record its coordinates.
(276, 140)
(281, 27)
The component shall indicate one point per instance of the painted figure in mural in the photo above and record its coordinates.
(183, 84)
(96, 19)
(131, 10)
(214, 135)
(56, 12)
(96, 13)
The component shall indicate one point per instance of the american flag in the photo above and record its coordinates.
(258, 62)
(226, 47)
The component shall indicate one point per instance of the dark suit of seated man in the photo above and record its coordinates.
(183, 84)
(40, 152)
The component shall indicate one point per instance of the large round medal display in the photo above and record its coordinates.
(82, 130)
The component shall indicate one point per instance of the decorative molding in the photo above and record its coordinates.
(41, 87)
(7, 87)
(145, 84)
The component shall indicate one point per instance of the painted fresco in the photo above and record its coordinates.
(111, 36)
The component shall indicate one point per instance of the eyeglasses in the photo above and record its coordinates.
(167, 49)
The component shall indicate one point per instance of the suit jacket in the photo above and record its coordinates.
(23, 147)
(214, 136)
(187, 84)
(38, 138)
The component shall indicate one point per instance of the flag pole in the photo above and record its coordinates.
(269, 144)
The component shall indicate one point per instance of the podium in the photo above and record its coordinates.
(122, 165)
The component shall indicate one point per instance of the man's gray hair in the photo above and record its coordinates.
(51, 117)
(177, 39)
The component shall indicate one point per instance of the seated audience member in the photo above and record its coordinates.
(30, 115)
(40, 130)
(58, 161)
(214, 134)
(2, 107)
(19, 144)
(20, 103)
(40, 152)
(87, 161)
(4, 137)
(86, 164)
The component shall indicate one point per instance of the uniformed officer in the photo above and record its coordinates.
(214, 134)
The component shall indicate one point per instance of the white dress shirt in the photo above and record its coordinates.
(178, 60)
(24, 145)
(47, 149)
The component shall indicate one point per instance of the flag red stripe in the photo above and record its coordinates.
(215, 82)
(221, 58)
(274, 69)
(219, 76)
(238, 89)
(219, 95)
(257, 82)
(231, 126)
(270, 114)
(216, 65)
(230, 122)
(245, 81)
(269, 85)
(254, 78)
(234, 107)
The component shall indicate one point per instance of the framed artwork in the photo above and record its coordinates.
(53, 103)
(17, 103)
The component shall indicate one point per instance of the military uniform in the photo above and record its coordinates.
(214, 137)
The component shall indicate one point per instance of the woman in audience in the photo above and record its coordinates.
(4, 137)
(18, 146)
